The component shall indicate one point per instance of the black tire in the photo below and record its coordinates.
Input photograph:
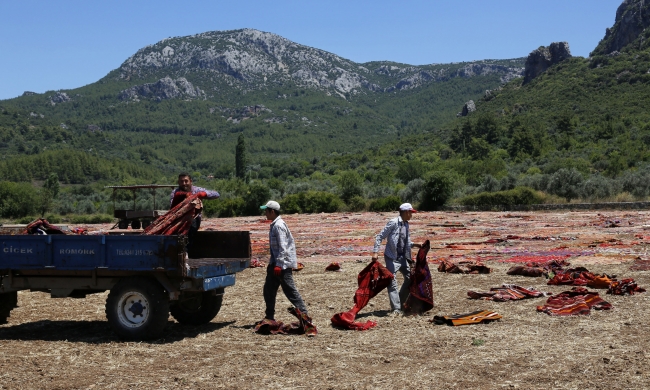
(137, 309)
(135, 224)
(8, 301)
(146, 223)
(196, 308)
(123, 224)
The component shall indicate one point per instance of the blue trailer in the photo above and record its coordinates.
(148, 277)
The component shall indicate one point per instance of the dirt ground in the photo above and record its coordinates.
(67, 344)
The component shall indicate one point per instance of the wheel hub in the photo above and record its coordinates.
(133, 309)
(136, 308)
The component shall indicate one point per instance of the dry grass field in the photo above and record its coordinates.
(67, 343)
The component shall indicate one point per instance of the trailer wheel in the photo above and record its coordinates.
(137, 309)
(8, 301)
(123, 224)
(196, 308)
(135, 224)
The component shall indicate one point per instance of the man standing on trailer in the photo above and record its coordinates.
(397, 254)
(185, 188)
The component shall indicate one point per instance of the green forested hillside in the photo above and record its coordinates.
(199, 135)
(580, 131)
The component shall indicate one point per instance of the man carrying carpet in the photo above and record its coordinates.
(279, 272)
(397, 254)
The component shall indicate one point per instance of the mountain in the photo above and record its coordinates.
(632, 19)
(288, 99)
(250, 60)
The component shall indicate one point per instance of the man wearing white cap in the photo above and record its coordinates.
(397, 254)
(283, 261)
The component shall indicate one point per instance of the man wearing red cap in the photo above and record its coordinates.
(397, 254)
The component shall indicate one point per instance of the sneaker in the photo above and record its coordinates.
(396, 313)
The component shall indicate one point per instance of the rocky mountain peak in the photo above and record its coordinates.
(249, 59)
(632, 18)
(543, 58)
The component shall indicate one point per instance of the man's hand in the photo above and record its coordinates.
(277, 271)
(374, 257)
(202, 194)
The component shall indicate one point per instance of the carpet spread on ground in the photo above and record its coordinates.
(507, 292)
(304, 325)
(577, 301)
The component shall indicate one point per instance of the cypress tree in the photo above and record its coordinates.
(241, 160)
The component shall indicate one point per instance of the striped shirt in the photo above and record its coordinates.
(391, 233)
(283, 248)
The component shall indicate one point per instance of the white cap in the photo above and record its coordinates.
(271, 204)
(407, 207)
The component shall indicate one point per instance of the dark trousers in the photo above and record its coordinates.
(271, 285)
(191, 235)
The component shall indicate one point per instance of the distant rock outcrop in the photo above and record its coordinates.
(467, 108)
(29, 93)
(632, 18)
(59, 97)
(165, 88)
(543, 58)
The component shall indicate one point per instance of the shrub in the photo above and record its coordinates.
(565, 183)
(536, 181)
(438, 187)
(637, 183)
(516, 196)
(489, 184)
(87, 219)
(26, 220)
(53, 218)
(85, 206)
(257, 195)
(357, 203)
(389, 203)
(596, 187)
(413, 191)
(224, 208)
(311, 202)
(350, 185)
(410, 170)
(17, 200)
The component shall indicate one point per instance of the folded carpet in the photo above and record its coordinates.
(475, 317)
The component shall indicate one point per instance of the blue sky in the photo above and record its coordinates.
(64, 44)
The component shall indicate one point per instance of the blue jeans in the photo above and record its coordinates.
(400, 264)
